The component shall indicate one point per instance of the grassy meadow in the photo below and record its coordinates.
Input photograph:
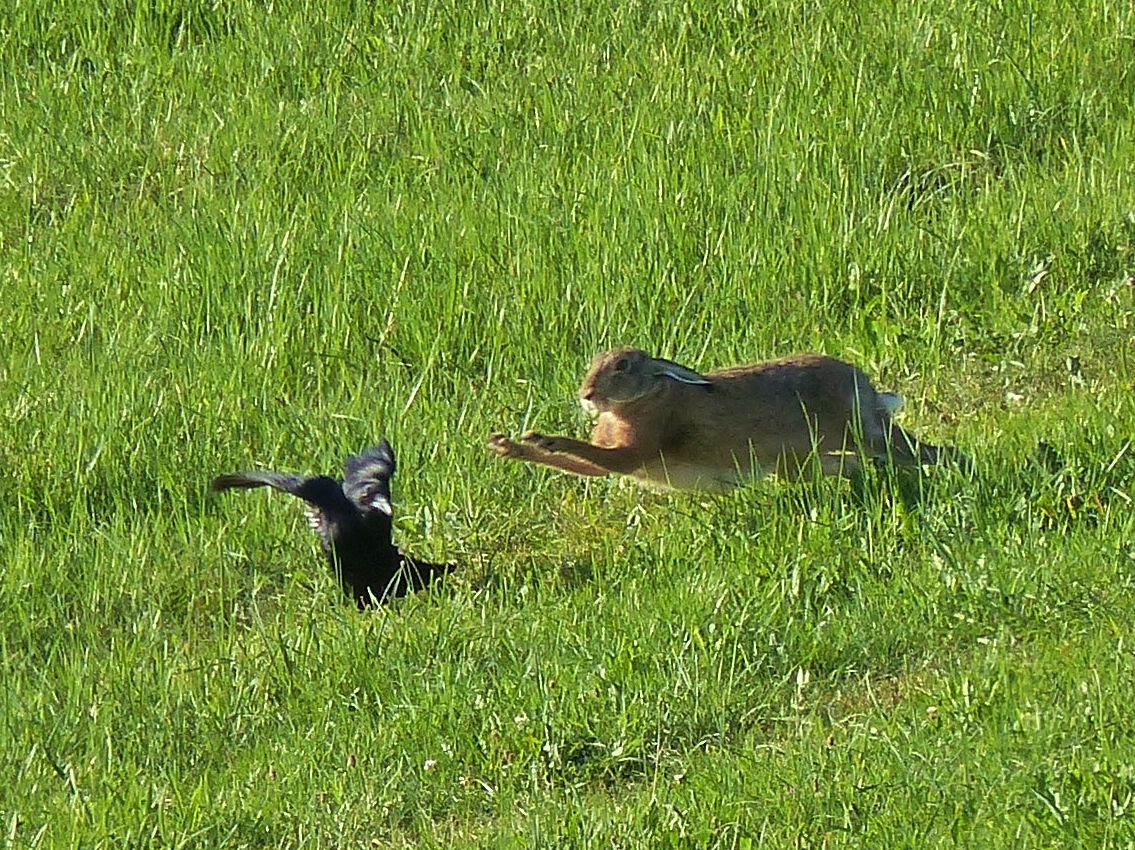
(265, 233)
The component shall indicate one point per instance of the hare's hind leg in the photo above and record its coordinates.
(884, 440)
(914, 452)
(907, 450)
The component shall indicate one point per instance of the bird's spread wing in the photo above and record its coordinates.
(328, 510)
(320, 524)
(367, 481)
(329, 513)
(279, 480)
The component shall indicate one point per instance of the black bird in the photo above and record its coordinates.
(353, 518)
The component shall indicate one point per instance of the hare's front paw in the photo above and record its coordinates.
(501, 445)
(541, 441)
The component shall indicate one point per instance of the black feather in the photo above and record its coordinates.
(354, 520)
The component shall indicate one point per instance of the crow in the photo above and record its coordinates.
(353, 518)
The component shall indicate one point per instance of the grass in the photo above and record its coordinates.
(246, 233)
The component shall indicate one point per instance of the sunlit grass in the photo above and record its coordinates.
(240, 234)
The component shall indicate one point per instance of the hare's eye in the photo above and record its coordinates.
(621, 364)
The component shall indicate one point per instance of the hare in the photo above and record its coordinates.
(668, 426)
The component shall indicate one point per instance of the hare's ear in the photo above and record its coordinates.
(679, 373)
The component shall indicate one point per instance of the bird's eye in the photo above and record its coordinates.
(621, 364)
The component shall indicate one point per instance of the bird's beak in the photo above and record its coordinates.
(381, 503)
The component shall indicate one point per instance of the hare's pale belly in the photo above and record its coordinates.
(686, 476)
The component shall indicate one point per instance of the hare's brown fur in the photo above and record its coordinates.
(668, 426)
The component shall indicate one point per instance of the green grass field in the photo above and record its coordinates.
(242, 233)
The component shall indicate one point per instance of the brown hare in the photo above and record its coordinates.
(668, 426)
